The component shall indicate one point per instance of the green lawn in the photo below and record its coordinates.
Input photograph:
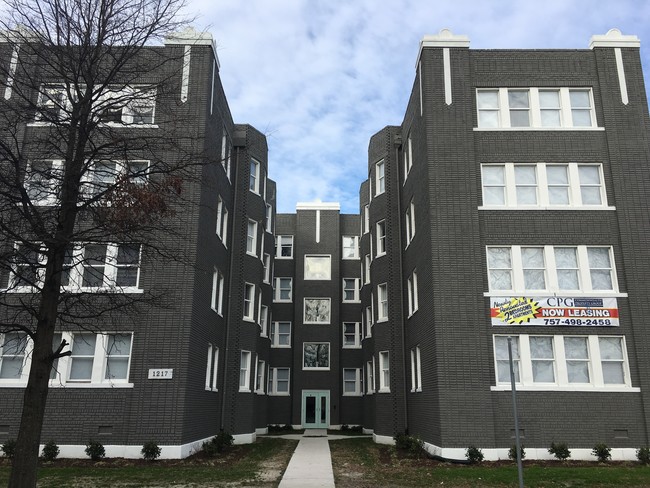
(361, 463)
(259, 464)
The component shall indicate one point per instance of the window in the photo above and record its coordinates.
(267, 268)
(251, 238)
(408, 157)
(351, 289)
(350, 247)
(352, 382)
(351, 335)
(281, 334)
(555, 362)
(244, 371)
(316, 355)
(269, 218)
(254, 183)
(543, 185)
(546, 108)
(52, 104)
(43, 181)
(282, 289)
(95, 359)
(103, 177)
(264, 320)
(225, 152)
(370, 377)
(551, 269)
(222, 220)
(412, 289)
(369, 321)
(318, 267)
(128, 106)
(317, 311)
(384, 372)
(217, 291)
(212, 368)
(13, 354)
(284, 247)
(366, 276)
(416, 370)
(249, 302)
(409, 221)
(279, 381)
(381, 238)
(382, 302)
(259, 377)
(380, 179)
(366, 219)
(27, 267)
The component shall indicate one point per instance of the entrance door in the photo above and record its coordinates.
(315, 409)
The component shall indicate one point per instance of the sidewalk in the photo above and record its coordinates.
(311, 463)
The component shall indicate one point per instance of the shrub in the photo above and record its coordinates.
(50, 451)
(474, 455)
(643, 455)
(560, 450)
(512, 452)
(218, 444)
(150, 451)
(602, 452)
(412, 445)
(9, 448)
(95, 450)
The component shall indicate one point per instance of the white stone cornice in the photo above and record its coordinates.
(614, 38)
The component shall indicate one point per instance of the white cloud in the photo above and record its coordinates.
(321, 77)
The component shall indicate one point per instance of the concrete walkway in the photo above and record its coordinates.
(311, 463)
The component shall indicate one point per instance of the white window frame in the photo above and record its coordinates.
(358, 379)
(409, 222)
(225, 152)
(369, 321)
(22, 346)
(382, 302)
(367, 262)
(534, 109)
(283, 242)
(317, 267)
(275, 334)
(264, 320)
(551, 276)
(245, 368)
(251, 240)
(355, 290)
(412, 291)
(254, 180)
(212, 368)
(358, 333)
(416, 370)
(249, 302)
(561, 383)
(366, 219)
(267, 268)
(222, 221)
(217, 291)
(354, 246)
(384, 372)
(322, 300)
(574, 187)
(277, 289)
(273, 382)
(380, 177)
(317, 368)
(260, 376)
(381, 237)
(268, 225)
(408, 156)
(370, 377)
(44, 181)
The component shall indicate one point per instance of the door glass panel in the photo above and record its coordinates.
(310, 410)
(323, 410)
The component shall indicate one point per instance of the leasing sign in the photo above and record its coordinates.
(554, 311)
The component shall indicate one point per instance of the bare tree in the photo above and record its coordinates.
(74, 180)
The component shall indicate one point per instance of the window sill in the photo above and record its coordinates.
(536, 129)
(279, 394)
(351, 347)
(284, 257)
(350, 301)
(356, 258)
(280, 347)
(315, 369)
(252, 254)
(382, 319)
(211, 389)
(598, 208)
(249, 319)
(571, 388)
(91, 385)
(383, 390)
(282, 301)
(357, 395)
(244, 390)
(562, 293)
(259, 392)
(380, 254)
(411, 314)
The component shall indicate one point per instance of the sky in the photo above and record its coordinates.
(320, 77)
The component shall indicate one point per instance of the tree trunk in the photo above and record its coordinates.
(25, 463)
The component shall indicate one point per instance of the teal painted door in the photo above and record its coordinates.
(315, 409)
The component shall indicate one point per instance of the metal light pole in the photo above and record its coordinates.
(520, 468)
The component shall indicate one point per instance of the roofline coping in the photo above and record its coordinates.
(191, 36)
(318, 206)
(444, 38)
(614, 38)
